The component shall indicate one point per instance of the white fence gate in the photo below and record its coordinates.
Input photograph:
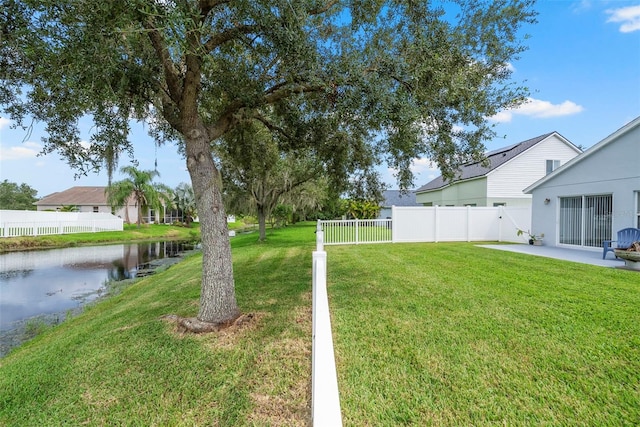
(41, 223)
(433, 224)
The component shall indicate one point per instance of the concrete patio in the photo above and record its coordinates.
(585, 256)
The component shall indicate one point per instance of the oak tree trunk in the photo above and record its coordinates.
(217, 298)
(262, 222)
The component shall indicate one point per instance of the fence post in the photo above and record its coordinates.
(468, 223)
(319, 237)
(393, 218)
(436, 224)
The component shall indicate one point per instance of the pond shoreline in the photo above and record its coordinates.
(29, 328)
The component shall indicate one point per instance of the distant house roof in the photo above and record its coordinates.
(94, 196)
(396, 198)
(495, 159)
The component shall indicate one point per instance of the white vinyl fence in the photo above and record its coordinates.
(356, 231)
(40, 223)
(325, 396)
(433, 224)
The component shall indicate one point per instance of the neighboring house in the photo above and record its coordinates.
(85, 199)
(510, 170)
(396, 198)
(594, 195)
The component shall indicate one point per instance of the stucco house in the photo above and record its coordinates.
(594, 195)
(86, 199)
(396, 198)
(501, 182)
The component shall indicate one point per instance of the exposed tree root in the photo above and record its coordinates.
(195, 326)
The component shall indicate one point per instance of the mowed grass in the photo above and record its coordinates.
(425, 334)
(120, 363)
(454, 334)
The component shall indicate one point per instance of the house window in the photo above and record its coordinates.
(95, 209)
(496, 204)
(552, 165)
(585, 220)
(470, 204)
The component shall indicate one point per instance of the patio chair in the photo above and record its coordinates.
(626, 237)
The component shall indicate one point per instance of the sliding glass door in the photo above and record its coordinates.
(585, 220)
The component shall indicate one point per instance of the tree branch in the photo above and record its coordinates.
(172, 76)
(207, 5)
(323, 8)
(227, 35)
(282, 91)
(271, 126)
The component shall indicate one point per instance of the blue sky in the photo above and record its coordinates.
(582, 68)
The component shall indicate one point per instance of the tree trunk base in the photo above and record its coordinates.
(196, 326)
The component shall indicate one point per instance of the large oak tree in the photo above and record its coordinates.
(388, 80)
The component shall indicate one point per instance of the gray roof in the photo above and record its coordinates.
(496, 158)
(396, 198)
(76, 196)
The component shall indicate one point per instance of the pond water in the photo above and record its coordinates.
(46, 285)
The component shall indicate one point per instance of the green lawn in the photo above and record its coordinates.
(453, 334)
(440, 334)
(119, 363)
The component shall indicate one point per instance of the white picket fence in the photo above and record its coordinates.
(42, 223)
(433, 224)
(356, 231)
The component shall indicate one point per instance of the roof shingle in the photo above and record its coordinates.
(496, 158)
(76, 196)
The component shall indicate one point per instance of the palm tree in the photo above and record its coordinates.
(184, 201)
(68, 208)
(140, 187)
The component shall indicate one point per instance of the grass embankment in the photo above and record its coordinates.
(130, 233)
(119, 363)
(452, 334)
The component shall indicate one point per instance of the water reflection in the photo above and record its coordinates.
(36, 283)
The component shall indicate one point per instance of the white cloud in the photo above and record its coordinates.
(25, 151)
(424, 170)
(581, 6)
(629, 17)
(423, 165)
(540, 109)
(509, 67)
(4, 122)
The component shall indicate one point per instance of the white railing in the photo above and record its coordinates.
(33, 223)
(433, 224)
(325, 397)
(356, 231)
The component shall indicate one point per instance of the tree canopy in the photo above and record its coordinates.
(356, 82)
(256, 167)
(17, 197)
